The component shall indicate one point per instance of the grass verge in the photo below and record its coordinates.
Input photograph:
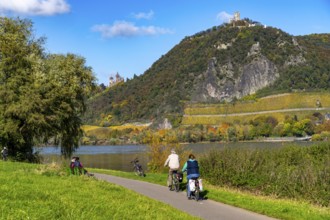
(30, 191)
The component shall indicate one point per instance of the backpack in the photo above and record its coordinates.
(192, 185)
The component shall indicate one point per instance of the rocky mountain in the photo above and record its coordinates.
(220, 64)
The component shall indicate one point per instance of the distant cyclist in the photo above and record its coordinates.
(173, 162)
(192, 168)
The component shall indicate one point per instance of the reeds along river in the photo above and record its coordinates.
(119, 157)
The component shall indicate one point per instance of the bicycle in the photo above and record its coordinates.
(195, 191)
(138, 170)
(176, 179)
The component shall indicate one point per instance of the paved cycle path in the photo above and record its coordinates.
(205, 209)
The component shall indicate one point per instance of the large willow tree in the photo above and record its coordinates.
(42, 96)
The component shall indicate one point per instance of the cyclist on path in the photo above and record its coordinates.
(192, 168)
(173, 162)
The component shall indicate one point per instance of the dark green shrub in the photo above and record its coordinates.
(287, 172)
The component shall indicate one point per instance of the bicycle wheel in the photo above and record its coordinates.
(136, 171)
(141, 172)
(176, 184)
(197, 194)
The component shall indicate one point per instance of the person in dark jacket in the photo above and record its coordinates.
(192, 168)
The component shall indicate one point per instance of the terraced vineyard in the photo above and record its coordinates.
(279, 106)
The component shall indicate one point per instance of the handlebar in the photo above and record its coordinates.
(135, 160)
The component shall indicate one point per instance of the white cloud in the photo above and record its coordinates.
(142, 15)
(128, 29)
(224, 17)
(34, 7)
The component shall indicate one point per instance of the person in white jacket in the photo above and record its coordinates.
(173, 162)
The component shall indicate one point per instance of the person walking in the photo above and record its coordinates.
(173, 162)
(192, 168)
(4, 153)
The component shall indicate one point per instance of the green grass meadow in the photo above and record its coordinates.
(30, 191)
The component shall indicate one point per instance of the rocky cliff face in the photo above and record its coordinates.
(228, 81)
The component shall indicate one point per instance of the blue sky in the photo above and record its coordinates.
(128, 36)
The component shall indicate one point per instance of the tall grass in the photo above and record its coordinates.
(287, 172)
(31, 191)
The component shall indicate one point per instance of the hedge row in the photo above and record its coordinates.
(287, 172)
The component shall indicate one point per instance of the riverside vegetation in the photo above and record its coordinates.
(286, 183)
(32, 191)
(301, 173)
(294, 172)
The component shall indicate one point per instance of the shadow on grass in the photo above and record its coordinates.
(204, 194)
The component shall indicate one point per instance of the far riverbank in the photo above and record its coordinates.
(118, 157)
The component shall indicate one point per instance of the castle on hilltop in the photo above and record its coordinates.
(115, 80)
(236, 21)
(237, 17)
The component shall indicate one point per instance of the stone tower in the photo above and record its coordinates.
(236, 16)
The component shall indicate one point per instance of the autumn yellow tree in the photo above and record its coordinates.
(160, 147)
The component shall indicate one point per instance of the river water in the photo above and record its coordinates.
(119, 157)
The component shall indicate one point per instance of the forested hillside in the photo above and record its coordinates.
(315, 74)
(221, 64)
